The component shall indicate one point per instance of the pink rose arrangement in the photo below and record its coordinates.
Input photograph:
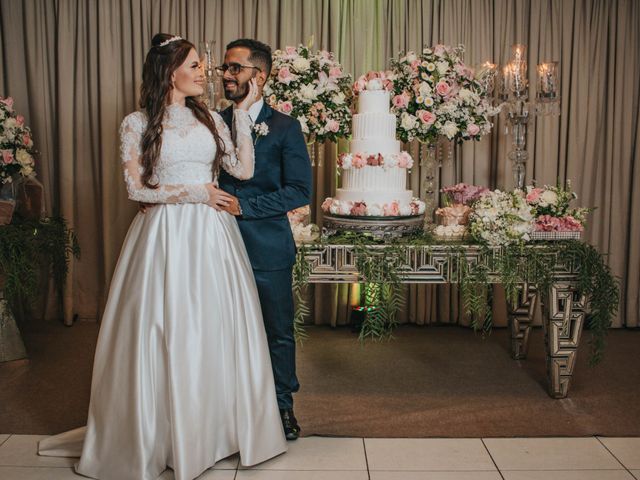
(313, 88)
(16, 144)
(436, 94)
(463, 194)
(552, 208)
(362, 209)
(357, 160)
(382, 79)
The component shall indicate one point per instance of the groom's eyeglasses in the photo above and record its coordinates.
(233, 68)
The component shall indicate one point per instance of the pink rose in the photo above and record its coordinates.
(26, 140)
(571, 224)
(332, 126)
(400, 101)
(391, 209)
(375, 160)
(358, 161)
(415, 64)
(335, 72)
(533, 195)
(443, 88)
(439, 50)
(285, 107)
(359, 209)
(20, 120)
(326, 204)
(8, 102)
(7, 157)
(426, 117)
(284, 75)
(290, 50)
(405, 160)
(473, 129)
(360, 85)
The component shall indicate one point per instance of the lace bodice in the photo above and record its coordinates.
(186, 157)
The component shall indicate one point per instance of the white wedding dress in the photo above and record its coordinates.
(182, 375)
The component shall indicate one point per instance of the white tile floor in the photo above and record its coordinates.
(317, 458)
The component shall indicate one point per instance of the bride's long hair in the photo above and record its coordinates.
(155, 95)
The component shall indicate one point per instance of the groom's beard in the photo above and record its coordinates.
(236, 94)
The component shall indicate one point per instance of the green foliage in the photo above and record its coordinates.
(27, 247)
(301, 271)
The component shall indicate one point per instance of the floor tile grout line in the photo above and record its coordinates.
(366, 459)
(612, 454)
(491, 457)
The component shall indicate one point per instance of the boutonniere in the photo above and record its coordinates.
(261, 130)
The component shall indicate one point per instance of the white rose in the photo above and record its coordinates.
(443, 67)
(345, 208)
(24, 158)
(425, 89)
(374, 210)
(338, 98)
(548, 197)
(27, 171)
(10, 123)
(390, 161)
(465, 94)
(335, 208)
(301, 64)
(308, 92)
(374, 84)
(408, 122)
(405, 210)
(346, 162)
(411, 57)
(450, 129)
(303, 124)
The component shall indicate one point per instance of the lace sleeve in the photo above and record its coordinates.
(131, 132)
(239, 160)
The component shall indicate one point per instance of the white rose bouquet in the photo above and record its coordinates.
(501, 218)
(312, 87)
(436, 94)
(16, 144)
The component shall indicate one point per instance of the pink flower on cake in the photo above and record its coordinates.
(473, 129)
(443, 88)
(405, 160)
(359, 209)
(7, 157)
(401, 101)
(359, 85)
(327, 204)
(391, 209)
(358, 161)
(375, 160)
(426, 117)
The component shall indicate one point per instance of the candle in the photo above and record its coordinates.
(548, 80)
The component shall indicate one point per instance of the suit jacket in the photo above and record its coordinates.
(281, 182)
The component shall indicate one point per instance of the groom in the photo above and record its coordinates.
(281, 182)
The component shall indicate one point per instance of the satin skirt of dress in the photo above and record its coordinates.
(182, 375)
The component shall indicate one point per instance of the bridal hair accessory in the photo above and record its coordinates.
(168, 41)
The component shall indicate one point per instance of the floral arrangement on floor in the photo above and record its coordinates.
(312, 87)
(16, 144)
(347, 161)
(552, 209)
(436, 94)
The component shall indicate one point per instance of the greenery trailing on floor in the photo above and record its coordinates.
(28, 248)
(381, 272)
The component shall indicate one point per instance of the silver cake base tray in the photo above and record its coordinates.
(377, 226)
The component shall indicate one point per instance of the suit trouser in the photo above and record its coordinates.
(276, 300)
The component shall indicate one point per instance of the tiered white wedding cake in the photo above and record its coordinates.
(374, 172)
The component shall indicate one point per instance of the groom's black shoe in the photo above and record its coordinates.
(290, 424)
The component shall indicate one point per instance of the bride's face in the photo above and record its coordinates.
(188, 78)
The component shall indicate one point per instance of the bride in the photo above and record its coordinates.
(182, 375)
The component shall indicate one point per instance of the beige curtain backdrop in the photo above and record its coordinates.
(74, 69)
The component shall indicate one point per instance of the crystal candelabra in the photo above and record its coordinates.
(209, 64)
(513, 93)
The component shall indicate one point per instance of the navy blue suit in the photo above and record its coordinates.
(281, 182)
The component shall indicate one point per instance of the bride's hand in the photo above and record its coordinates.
(251, 97)
(218, 199)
